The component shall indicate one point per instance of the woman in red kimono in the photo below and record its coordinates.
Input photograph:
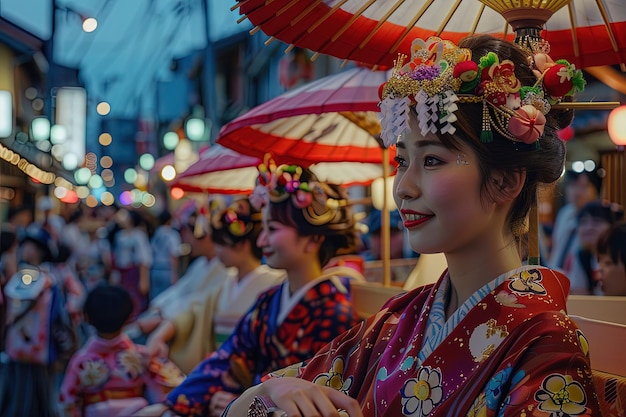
(475, 136)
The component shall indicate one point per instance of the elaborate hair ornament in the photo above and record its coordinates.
(278, 183)
(238, 218)
(440, 75)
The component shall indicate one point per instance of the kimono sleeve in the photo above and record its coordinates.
(215, 373)
(341, 364)
(161, 377)
(547, 373)
(70, 393)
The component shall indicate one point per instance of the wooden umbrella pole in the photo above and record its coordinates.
(386, 237)
(533, 236)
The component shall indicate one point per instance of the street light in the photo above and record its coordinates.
(40, 129)
(194, 129)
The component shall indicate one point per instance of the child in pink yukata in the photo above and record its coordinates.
(111, 376)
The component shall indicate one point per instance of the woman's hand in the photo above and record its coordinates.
(157, 347)
(219, 401)
(298, 397)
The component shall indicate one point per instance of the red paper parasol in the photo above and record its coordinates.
(585, 32)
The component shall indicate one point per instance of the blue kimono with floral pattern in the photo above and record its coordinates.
(280, 329)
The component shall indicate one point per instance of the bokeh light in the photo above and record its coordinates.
(177, 193)
(106, 162)
(126, 198)
(170, 140)
(107, 198)
(103, 108)
(146, 161)
(130, 175)
(82, 175)
(95, 182)
(168, 173)
(105, 139)
(90, 24)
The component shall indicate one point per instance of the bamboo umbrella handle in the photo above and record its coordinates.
(386, 238)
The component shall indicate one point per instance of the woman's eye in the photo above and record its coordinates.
(430, 161)
(402, 163)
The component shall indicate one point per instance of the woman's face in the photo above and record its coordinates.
(589, 231)
(229, 255)
(580, 191)
(438, 191)
(612, 276)
(282, 246)
(29, 252)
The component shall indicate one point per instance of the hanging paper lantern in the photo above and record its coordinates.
(616, 125)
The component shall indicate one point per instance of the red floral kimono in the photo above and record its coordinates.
(510, 350)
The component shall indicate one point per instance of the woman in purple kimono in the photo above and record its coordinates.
(475, 134)
(305, 224)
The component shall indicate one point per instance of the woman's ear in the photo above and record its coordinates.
(243, 245)
(506, 186)
(314, 243)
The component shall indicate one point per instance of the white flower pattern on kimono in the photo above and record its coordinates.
(93, 373)
(420, 395)
(561, 396)
(508, 300)
(334, 377)
(130, 363)
(485, 338)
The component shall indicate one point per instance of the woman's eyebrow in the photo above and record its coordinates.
(425, 143)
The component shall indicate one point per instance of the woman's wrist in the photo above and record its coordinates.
(240, 405)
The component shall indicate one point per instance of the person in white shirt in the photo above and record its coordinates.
(165, 244)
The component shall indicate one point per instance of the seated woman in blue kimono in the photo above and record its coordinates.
(305, 224)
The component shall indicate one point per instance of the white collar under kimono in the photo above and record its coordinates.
(438, 328)
(288, 301)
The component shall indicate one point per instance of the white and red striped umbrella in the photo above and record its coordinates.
(223, 171)
(585, 32)
(332, 119)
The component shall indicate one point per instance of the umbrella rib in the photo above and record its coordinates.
(323, 18)
(478, 17)
(305, 12)
(572, 22)
(354, 17)
(285, 7)
(238, 5)
(448, 17)
(607, 24)
(381, 22)
(410, 25)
